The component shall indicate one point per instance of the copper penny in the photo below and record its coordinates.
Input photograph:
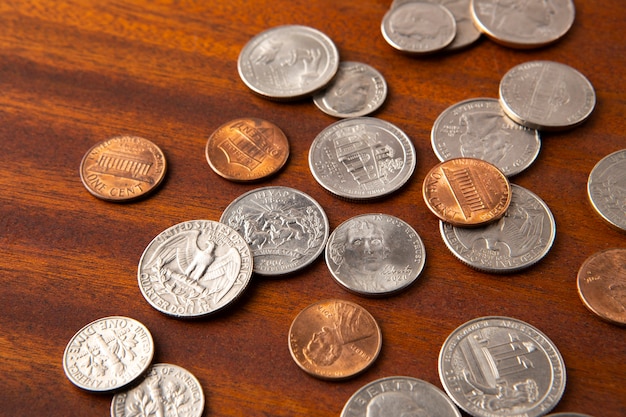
(122, 168)
(467, 192)
(247, 149)
(334, 339)
(602, 285)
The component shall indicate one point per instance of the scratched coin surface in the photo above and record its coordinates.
(523, 24)
(501, 367)
(606, 189)
(399, 396)
(288, 62)
(358, 89)
(247, 149)
(478, 128)
(108, 354)
(166, 391)
(375, 254)
(334, 339)
(602, 284)
(194, 268)
(362, 158)
(122, 168)
(546, 95)
(466, 192)
(285, 229)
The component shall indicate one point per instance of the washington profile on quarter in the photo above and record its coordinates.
(501, 367)
(194, 268)
(108, 354)
(606, 188)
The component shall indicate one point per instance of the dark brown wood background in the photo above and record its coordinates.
(73, 73)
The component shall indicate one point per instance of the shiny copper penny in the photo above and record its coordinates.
(247, 149)
(334, 339)
(123, 168)
(602, 284)
(467, 192)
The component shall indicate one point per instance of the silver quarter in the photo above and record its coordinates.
(419, 27)
(606, 188)
(523, 24)
(108, 354)
(375, 254)
(357, 90)
(167, 391)
(501, 367)
(362, 158)
(516, 241)
(285, 228)
(194, 268)
(478, 128)
(288, 62)
(466, 31)
(546, 95)
(397, 396)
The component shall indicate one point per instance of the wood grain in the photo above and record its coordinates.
(73, 73)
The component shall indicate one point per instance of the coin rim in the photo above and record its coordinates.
(608, 219)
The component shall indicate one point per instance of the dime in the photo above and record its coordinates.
(606, 188)
(466, 31)
(500, 366)
(357, 90)
(362, 158)
(521, 238)
(285, 228)
(334, 339)
(122, 168)
(398, 396)
(466, 192)
(602, 285)
(478, 128)
(288, 62)
(108, 354)
(167, 391)
(419, 27)
(546, 95)
(194, 268)
(247, 149)
(523, 24)
(375, 254)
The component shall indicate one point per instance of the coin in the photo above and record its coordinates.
(122, 168)
(523, 24)
(419, 27)
(194, 268)
(108, 354)
(285, 229)
(501, 366)
(466, 192)
(334, 339)
(478, 128)
(399, 396)
(167, 390)
(362, 158)
(247, 149)
(288, 62)
(375, 254)
(518, 240)
(546, 95)
(606, 188)
(602, 284)
(357, 90)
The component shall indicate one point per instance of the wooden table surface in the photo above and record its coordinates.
(73, 73)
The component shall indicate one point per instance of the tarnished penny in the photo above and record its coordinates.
(334, 339)
(602, 284)
(247, 149)
(122, 168)
(466, 192)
